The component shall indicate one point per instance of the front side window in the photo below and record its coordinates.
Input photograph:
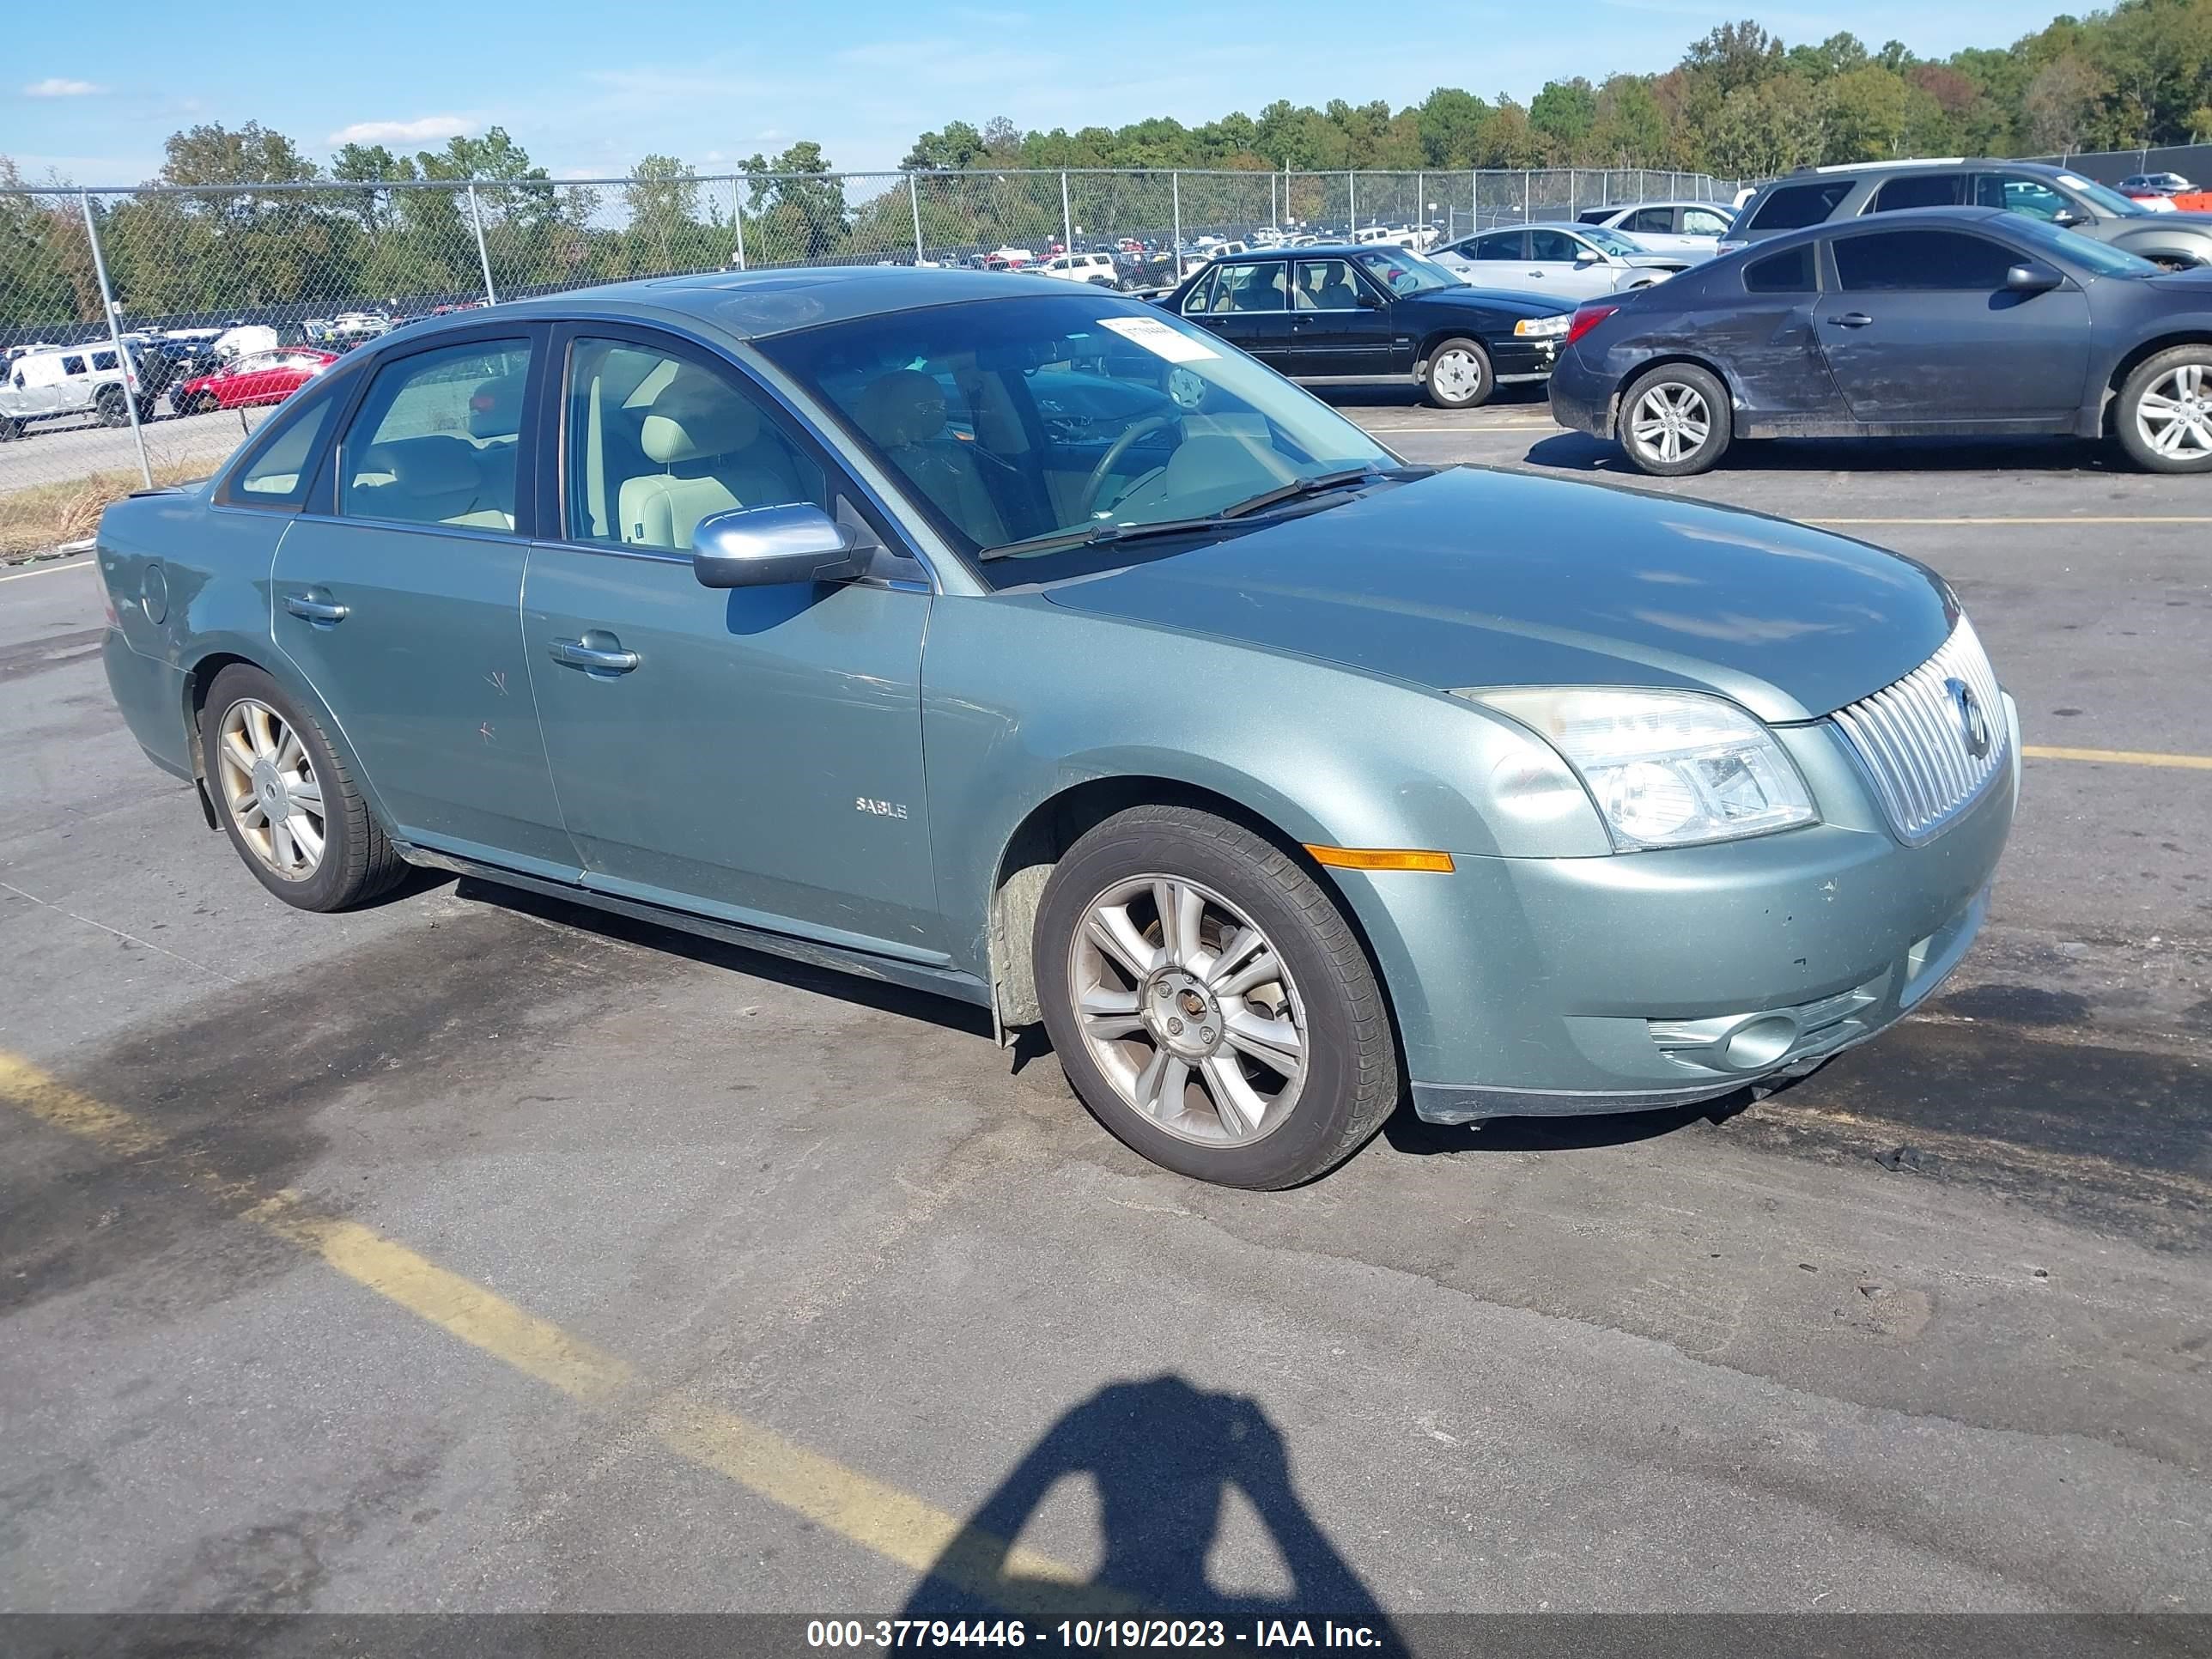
(655, 441)
(435, 440)
(1923, 260)
(1326, 285)
(1022, 427)
(1703, 221)
(1793, 207)
(1554, 247)
(2014, 194)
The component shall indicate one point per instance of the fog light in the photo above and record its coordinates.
(1758, 1043)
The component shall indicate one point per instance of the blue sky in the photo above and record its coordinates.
(587, 86)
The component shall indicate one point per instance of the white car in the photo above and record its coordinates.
(1418, 238)
(1095, 268)
(1666, 227)
(65, 380)
(1562, 262)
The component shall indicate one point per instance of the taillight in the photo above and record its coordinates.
(1587, 318)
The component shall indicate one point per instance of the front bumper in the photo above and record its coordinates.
(1542, 986)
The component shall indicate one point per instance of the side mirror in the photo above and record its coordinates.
(1369, 300)
(1588, 255)
(762, 546)
(2031, 277)
(2067, 218)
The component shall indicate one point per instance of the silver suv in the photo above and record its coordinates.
(1814, 196)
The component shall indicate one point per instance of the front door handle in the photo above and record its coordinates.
(1851, 320)
(595, 653)
(322, 613)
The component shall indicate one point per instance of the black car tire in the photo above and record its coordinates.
(1688, 389)
(1351, 1080)
(202, 403)
(1483, 384)
(358, 862)
(11, 428)
(2127, 415)
(108, 405)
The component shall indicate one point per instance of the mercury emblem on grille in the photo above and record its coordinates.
(1973, 721)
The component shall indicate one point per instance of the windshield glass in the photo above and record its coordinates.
(2107, 198)
(2101, 258)
(1404, 271)
(1006, 421)
(1610, 241)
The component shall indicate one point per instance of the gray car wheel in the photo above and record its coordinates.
(286, 799)
(1209, 1002)
(1675, 421)
(2165, 414)
(1458, 375)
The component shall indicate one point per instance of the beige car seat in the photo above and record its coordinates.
(716, 457)
(903, 411)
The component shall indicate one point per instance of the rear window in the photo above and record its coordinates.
(1793, 207)
(1920, 189)
(1790, 271)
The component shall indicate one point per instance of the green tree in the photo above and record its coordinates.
(1563, 113)
(1867, 114)
(1450, 122)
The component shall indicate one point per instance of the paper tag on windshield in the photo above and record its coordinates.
(1157, 337)
(2069, 179)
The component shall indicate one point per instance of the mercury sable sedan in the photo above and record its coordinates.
(1036, 648)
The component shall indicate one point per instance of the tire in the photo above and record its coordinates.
(11, 429)
(108, 406)
(2175, 435)
(356, 861)
(1324, 1005)
(1689, 421)
(202, 403)
(1467, 373)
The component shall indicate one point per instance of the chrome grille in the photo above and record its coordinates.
(1912, 737)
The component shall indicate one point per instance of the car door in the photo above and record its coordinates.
(753, 753)
(1340, 324)
(1565, 267)
(1499, 259)
(1248, 307)
(396, 594)
(1920, 327)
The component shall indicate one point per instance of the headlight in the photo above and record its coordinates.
(1542, 328)
(1667, 768)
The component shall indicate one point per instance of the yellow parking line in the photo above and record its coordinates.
(49, 569)
(2118, 757)
(2143, 518)
(878, 1516)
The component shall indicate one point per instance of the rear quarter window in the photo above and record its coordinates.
(1793, 207)
(1790, 271)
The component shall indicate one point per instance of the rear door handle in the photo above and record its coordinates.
(1851, 320)
(595, 653)
(322, 613)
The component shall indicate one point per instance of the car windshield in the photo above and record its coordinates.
(1610, 241)
(1025, 426)
(2100, 259)
(1404, 271)
(2107, 197)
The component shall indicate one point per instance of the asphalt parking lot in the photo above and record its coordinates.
(473, 1253)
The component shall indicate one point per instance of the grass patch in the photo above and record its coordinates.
(38, 519)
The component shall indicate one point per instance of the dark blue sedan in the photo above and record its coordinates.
(1952, 321)
(1322, 314)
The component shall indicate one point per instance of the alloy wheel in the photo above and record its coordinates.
(1456, 375)
(2174, 414)
(1189, 1009)
(269, 785)
(1671, 421)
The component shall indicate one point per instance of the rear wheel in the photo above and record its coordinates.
(2165, 413)
(1209, 1002)
(110, 408)
(286, 801)
(1459, 375)
(1675, 421)
(11, 429)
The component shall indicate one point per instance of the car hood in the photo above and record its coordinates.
(1472, 578)
(1517, 305)
(1658, 261)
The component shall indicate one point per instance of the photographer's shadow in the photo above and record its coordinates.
(1164, 1456)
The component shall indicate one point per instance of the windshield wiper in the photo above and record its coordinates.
(1092, 535)
(1320, 483)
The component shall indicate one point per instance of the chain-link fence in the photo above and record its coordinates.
(146, 330)
(2109, 167)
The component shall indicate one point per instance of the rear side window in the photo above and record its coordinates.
(1790, 271)
(1505, 245)
(1920, 189)
(1925, 260)
(1652, 219)
(1793, 207)
(435, 440)
(103, 359)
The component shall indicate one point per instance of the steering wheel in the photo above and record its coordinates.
(1115, 451)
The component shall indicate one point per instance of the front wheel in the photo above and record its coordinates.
(1675, 421)
(2165, 413)
(110, 409)
(1459, 375)
(1209, 1002)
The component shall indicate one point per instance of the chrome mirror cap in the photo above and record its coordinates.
(760, 546)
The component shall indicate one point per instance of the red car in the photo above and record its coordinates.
(262, 377)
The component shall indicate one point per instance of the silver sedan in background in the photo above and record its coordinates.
(1567, 262)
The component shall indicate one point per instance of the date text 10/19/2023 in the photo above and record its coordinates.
(1083, 1635)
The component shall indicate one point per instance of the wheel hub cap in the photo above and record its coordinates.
(1181, 1015)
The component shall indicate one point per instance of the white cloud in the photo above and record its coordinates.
(429, 128)
(55, 87)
